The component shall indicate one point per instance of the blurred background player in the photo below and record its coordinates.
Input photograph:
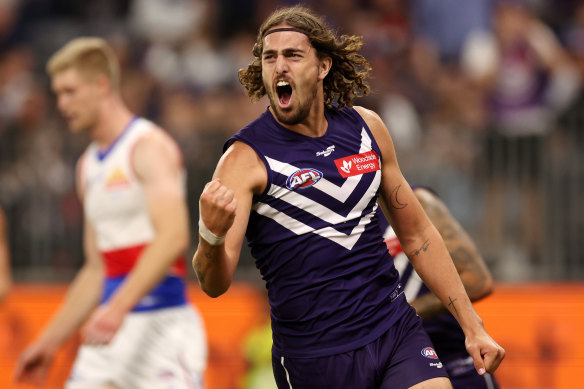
(139, 330)
(447, 336)
(5, 275)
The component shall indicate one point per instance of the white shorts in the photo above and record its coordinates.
(164, 349)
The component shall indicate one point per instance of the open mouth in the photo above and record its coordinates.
(284, 91)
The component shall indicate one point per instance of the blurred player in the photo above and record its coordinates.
(447, 336)
(139, 330)
(301, 182)
(5, 276)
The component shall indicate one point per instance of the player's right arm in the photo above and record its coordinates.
(224, 208)
(81, 298)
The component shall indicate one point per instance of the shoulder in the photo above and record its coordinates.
(156, 144)
(372, 119)
(241, 162)
(376, 126)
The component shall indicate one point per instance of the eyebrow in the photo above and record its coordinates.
(285, 51)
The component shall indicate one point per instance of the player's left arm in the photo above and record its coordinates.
(473, 271)
(158, 164)
(426, 250)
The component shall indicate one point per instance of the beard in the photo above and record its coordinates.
(292, 116)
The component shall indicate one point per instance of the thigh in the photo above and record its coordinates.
(157, 349)
(352, 369)
(413, 359)
(434, 383)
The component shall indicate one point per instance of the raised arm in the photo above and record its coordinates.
(427, 252)
(473, 272)
(224, 208)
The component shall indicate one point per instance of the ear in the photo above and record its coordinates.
(103, 83)
(324, 67)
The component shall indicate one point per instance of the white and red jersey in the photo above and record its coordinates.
(115, 205)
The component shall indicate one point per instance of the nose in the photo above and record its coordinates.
(281, 65)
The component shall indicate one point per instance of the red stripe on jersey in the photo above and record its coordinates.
(121, 261)
(393, 246)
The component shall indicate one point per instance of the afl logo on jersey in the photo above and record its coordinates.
(303, 178)
(429, 352)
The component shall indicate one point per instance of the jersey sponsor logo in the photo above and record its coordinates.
(429, 352)
(303, 178)
(325, 153)
(436, 365)
(116, 179)
(358, 164)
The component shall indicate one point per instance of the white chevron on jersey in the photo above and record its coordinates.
(365, 141)
(340, 193)
(319, 210)
(299, 228)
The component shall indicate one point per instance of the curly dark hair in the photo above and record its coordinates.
(347, 76)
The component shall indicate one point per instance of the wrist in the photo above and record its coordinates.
(208, 236)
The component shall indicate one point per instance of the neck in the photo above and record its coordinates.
(112, 119)
(313, 125)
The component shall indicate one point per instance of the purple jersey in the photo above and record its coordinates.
(315, 237)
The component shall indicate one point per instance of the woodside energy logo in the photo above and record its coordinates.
(358, 164)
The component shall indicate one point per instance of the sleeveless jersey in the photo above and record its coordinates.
(315, 237)
(115, 205)
(444, 331)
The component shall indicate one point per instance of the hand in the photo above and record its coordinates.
(485, 352)
(217, 206)
(103, 325)
(34, 363)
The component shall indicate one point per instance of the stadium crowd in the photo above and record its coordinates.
(482, 99)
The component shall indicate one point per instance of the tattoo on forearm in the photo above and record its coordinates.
(424, 248)
(394, 202)
(451, 303)
(198, 273)
(469, 265)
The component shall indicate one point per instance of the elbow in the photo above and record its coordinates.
(210, 290)
(213, 292)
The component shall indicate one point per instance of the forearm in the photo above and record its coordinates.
(434, 265)
(154, 263)
(82, 297)
(211, 265)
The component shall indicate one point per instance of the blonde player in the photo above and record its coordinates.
(139, 331)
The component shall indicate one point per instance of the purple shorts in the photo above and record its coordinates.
(400, 358)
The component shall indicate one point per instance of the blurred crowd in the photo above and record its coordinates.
(482, 98)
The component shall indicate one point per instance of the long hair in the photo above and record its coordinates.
(348, 74)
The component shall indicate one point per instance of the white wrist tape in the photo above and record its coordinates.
(209, 236)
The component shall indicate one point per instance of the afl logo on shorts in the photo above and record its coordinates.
(303, 178)
(429, 352)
